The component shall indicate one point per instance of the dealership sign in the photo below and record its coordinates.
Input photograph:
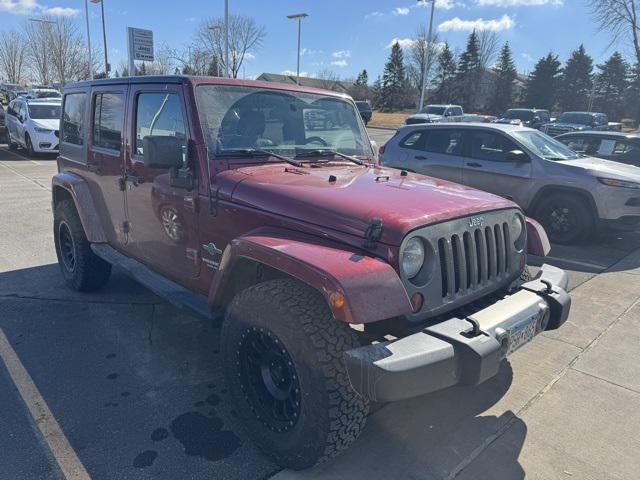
(140, 43)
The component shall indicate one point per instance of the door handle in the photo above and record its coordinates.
(420, 157)
(474, 165)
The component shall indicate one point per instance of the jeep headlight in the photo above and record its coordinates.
(412, 257)
(518, 230)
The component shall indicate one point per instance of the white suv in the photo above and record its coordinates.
(34, 125)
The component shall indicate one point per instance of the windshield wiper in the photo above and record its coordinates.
(252, 152)
(322, 152)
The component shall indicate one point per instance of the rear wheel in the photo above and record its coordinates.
(566, 218)
(82, 269)
(282, 352)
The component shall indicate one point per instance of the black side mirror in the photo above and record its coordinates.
(162, 152)
(517, 156)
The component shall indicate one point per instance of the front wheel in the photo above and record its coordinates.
(30, 151)
(282, 352)
(566, 218)
(12, 145)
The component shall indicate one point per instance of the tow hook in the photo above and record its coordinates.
(557, 299)
(475, 328)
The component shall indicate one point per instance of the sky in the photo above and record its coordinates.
(339, 35)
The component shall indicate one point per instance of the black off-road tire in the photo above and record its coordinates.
(580, 222)
(331, 414)
(85, 271)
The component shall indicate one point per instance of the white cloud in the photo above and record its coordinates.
(442, 4)
(374, 14)
(404, 42)
(26, 7)
(341, 54)
(457, 24)
(60, 11)
(400, 11)
(340, 63)
(518, 3)
(249, 56)
(310, 51)
(527, 57)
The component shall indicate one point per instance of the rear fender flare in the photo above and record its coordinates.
(371, 288)
(66, 184)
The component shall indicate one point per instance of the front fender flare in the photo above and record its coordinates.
(371, 287)
(537, 240)
(79, 191)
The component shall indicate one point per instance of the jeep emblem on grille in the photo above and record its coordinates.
(475, 222)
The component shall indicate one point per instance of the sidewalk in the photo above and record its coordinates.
(567, 406)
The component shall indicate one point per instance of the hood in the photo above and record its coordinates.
(427, 117)
(357, 195)
(600, 167)
(511, 121)
(52, 124)
(570, 126)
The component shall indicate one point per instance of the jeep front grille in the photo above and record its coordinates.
(465, 261)
(474, 258)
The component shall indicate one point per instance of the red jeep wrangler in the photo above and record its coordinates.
(339, 282)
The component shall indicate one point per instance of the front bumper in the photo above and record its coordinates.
(465, 351)
(44, 142)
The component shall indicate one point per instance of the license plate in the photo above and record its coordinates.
(521, 334)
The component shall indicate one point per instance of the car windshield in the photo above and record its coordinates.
(433, 110)
(237, 118)
(579, 118)
(524, 115)
(44, 112)
(544, 146)
(48, 94)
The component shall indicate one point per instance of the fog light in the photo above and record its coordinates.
(337, 300)
(45, 145)
(416, 302)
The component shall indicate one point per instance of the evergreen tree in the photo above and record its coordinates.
(125, 72)
(360, 89)
(117, 74)
(363, 78)
(376, 93)
(611, 84)
(176, 71)
(576, 82)
(394, 81)
(469, 72)
(542, 86)
(214, 67)
(632, 95)
(506, 73)
(445, 76)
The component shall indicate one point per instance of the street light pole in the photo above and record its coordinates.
(429, 47)
(299, 17)
(104, 37)
(216, 29)
(86, 15)
(226, 38)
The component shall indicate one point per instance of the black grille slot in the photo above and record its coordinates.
(475, 259)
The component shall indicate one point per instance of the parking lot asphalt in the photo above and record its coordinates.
(136, 386)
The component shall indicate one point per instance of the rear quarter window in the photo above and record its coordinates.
(73, 118)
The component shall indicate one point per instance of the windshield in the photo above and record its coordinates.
(579, 118)
(238, 118)
(524, 115)
(434, 110)
(47, 94)
(544, 146)
(44, 112)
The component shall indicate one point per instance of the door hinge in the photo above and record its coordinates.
(126, 227)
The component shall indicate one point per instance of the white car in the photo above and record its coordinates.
(43, 93)
(34, 125)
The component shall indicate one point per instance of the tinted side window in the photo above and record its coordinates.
(456, 111)
(415, 140)
(448, 142)
(108, 116)
(491, 146)
(159, 114)
(577, 144)
(73, 123)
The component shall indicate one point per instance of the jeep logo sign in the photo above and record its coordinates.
(475, 222)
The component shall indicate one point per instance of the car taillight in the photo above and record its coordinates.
(381, 150)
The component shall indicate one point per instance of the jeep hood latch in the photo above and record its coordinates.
(373, 233)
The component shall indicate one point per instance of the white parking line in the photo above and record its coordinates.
(62, 451)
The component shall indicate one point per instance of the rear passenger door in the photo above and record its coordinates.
(486, 166)
(435, 152)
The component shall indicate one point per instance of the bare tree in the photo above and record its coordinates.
(164, 63)
(488, 48)
(620, 19)
(68, 52)
(38, 36)
(245, 36)
(422, 54)
(328, 79)
(12, 55)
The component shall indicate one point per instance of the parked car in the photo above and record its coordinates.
(578, 121)
(364, 107)
(13, 94)
(569, 193)
(527, 117)
(318, 119)
(34, 125)
(3, 126)
(43, 92)
(435, 114)
(617, 146)
(293, 235)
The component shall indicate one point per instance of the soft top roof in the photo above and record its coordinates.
(194, 80)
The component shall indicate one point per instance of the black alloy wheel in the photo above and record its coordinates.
(566, 218)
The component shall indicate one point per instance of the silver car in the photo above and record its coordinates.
(569, 193)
